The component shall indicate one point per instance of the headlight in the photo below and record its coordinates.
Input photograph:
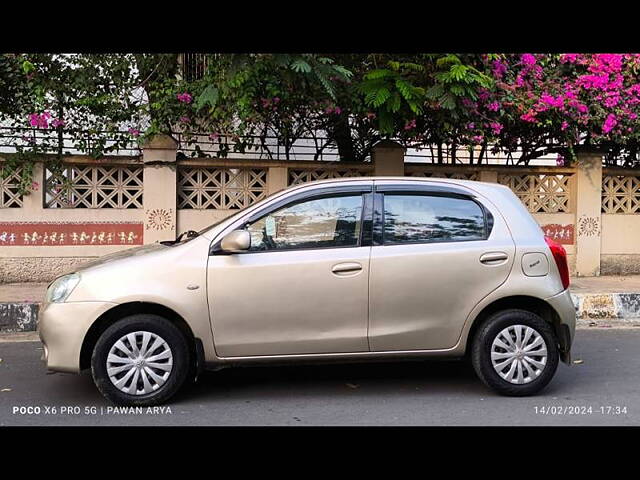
(62, 287)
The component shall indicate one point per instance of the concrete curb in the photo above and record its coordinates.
(618, 307)
(592, 309)
(18, 317)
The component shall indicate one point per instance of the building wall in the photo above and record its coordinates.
(118, 203)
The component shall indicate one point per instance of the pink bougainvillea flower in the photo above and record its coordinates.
(468, 103)
(564, 125)
(184, 97)
(477, 138)
(214, 136)
(499, 69)
(35, 186)
(331, 109)
(57, 122)
(39, 120)
(134, 131)
(610, 122)
(593, 81)
(410, 125)
(530, 116)
(494, 106)
(496, 127)
(560, 161)
(606, 63)
(185, 119)
(528, 59)
(552, 101)
(569, 58)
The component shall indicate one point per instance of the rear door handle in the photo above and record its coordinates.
(491, 258)
(347, 267)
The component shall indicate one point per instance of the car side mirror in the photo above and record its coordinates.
(236, 241)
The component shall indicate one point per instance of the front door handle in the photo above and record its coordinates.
(347, 267)
(492, 258)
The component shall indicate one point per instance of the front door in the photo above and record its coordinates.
(301, 288)
(435, 256)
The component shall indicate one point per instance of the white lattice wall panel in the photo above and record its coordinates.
(90, 186)
(540, 193)
(455, 175)
(220, 188)
(620, 194)
(298, 176)
(10, 196)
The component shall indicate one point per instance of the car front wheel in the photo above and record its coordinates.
(515, 353)
(140, 360)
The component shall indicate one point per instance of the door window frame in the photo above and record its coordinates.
(366, 214)
(378, 233)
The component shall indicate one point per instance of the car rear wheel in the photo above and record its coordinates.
(140, 360)
(515, 352)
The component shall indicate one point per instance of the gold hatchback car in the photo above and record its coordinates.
(358, 269)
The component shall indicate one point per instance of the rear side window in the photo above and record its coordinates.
(428, 218)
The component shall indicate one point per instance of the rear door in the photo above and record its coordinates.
(437, 251)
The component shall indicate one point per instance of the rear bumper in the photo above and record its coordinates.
(566, 329)
(62, 328)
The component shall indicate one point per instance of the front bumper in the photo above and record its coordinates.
(62, 328)
(562, 303)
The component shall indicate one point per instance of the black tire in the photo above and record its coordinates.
(481, 352)
(142, 322)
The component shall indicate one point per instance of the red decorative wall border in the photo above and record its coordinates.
(564, 234)
(56, 234)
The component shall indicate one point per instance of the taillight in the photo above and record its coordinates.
(560, 256)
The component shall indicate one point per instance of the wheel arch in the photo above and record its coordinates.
(522, 302)
(124, 310)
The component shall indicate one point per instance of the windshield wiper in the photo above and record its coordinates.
(188, 234)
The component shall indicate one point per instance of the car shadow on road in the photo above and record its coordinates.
(441, 377)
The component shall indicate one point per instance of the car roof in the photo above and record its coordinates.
(471, 184)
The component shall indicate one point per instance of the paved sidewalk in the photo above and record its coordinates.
(603, 284)
(22, 292)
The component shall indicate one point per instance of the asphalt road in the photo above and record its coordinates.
(597, 391)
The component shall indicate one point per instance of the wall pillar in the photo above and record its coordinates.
(490, 176)
(160, 189)
(33, 204)
(276, 179)
(388, 158)
(588, 228)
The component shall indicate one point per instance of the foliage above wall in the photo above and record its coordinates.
(532, 103)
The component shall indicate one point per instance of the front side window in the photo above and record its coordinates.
(315, 223)
(424, 218)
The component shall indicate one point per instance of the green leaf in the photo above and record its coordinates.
(301, 66)
(209, 96)
(378, 97)
(27, 66)
(378, 73)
